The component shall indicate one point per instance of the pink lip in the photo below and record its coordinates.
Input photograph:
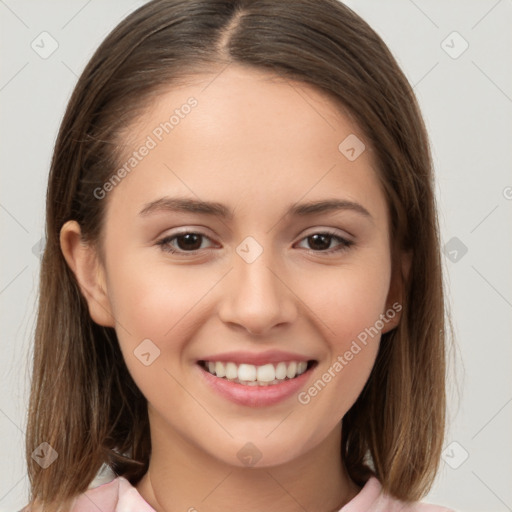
(259, 359)
(254, 396)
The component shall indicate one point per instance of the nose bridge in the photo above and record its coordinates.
(256, 280)
(257, 299)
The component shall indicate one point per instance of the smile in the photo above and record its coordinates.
(269, 374)
(256, 379)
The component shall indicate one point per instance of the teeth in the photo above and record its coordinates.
(281, 371)
(252, 375)
(265, 373)
(220, 369)
(291, 370)
(248, 372)
(301, 367)
(231, 371)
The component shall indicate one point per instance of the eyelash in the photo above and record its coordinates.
(344, 244)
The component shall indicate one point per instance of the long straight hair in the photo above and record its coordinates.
(83, 400)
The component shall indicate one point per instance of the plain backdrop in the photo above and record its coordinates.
(456, 55)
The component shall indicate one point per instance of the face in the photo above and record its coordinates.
(245, 243)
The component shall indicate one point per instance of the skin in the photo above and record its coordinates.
(257, 144)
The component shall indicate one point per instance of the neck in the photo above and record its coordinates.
(181, 477)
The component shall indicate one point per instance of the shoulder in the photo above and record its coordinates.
(103, 497)
(117, 495)
(371, 498)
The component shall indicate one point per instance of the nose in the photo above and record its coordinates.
(257, 297)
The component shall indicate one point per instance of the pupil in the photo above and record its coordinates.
(190, 241)
(319, 241)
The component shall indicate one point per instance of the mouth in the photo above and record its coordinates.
(269, 374)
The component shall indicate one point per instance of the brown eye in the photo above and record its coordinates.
(325, 243)
(182, 243)
(189, 241)
(319, 241)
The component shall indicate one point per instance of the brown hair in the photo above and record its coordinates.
(83, 400)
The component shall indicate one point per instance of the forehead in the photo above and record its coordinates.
(247, 136)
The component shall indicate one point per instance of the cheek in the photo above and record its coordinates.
(347, 301)
(348, 304)
(158, 302)
(156, 308)
(151, 298)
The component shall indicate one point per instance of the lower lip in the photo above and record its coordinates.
(255, 396)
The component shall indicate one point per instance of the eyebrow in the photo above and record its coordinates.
(176, 204)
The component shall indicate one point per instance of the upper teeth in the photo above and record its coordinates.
(251, 373)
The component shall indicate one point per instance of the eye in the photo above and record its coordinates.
(326, 242)
(187, 241)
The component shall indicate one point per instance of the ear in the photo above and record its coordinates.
(396, 294)
(83, 260)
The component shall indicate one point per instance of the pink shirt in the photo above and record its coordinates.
(120, 496)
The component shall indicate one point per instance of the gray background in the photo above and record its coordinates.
(466, 98)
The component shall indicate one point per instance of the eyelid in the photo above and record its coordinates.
(185, 230)
(329, 231)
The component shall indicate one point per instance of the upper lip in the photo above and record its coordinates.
(256, 359)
